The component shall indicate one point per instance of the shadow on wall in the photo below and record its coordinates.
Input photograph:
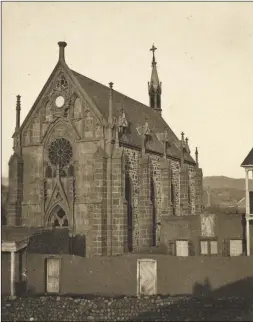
(78, 245)
(226, 303)
(3, 216)
(57, 241)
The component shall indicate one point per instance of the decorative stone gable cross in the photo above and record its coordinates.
(187, 145)
(153, 49)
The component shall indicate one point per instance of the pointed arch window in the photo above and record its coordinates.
(59, 219)
(158, 98)
(152, 101)
(48, 112)
(128, 197)
(77, 108)
(62, 82)
(152, 199)
(172, 196)
(63, 173)
(48, 173)
(71, 171)
(56, 223)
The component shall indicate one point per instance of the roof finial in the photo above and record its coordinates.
(18, 108)
(62, 45)
(182, 136)
(153, 49)
(197, 157)
(110, 116)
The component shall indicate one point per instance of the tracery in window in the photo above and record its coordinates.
(60, 219)
(60, 152)
(61, 82)
(63, 173)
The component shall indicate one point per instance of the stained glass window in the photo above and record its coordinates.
(60, 152)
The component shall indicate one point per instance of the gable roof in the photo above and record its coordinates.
(136, 113)
(248, 160)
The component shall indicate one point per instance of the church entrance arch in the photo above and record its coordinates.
(128, 197)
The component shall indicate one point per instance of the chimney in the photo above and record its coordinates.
(62, 45)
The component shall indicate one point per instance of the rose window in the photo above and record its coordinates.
(60, 152)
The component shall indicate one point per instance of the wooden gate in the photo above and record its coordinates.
(146, 277)
(53, 275)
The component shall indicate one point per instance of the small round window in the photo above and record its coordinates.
(60, 100)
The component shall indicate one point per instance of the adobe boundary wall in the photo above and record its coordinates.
(116, 276)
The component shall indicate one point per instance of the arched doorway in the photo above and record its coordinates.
(128, 197)
(59, 218)
(152, 199)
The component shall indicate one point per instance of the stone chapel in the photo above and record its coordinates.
(100, 164)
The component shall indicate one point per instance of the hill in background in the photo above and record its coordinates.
(220, 192)
(224, 192)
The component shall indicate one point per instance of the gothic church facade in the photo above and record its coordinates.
(100, 164)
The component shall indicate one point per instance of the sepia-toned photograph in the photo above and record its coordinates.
(127, 161)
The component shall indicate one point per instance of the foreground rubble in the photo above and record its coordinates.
(48, 308)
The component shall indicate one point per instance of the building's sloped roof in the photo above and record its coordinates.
(136, 113)
(248, 160)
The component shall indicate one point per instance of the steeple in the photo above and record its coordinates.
(155, 86)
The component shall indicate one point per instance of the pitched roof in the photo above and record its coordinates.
(248, 160)
(136, 113)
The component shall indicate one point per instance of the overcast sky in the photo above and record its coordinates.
(205, 63)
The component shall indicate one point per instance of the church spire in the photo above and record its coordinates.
(155, 86)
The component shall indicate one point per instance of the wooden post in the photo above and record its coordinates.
(247, 211)
(12, 282)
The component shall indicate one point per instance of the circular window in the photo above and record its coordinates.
(60, 100)
(60, 152)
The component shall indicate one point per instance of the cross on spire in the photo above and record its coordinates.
(153, 49)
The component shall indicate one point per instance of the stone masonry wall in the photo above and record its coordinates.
(119, 210)
(145, 205)
(184, 190)
(132, 169)
(175, 167)
(192, 187)
(199, 191)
